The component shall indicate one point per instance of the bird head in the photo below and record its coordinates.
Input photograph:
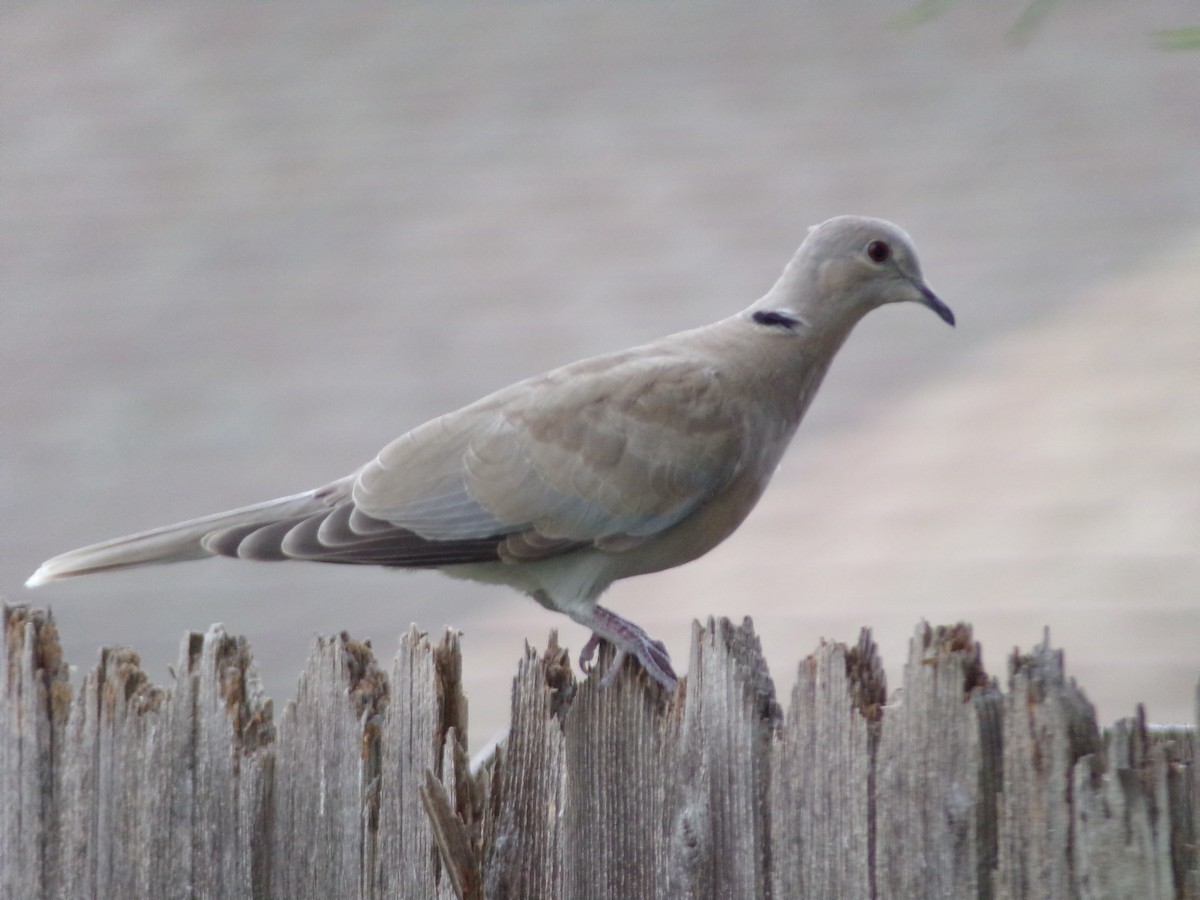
(847, 267)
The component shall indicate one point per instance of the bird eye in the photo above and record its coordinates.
(878, 251)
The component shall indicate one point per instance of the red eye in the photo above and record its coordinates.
(878, 251)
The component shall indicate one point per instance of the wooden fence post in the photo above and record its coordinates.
(953, 787)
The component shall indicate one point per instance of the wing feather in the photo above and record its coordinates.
(615, 449)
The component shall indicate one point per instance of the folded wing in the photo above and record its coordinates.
(607, 452)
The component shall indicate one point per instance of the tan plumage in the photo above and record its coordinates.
(615, 466)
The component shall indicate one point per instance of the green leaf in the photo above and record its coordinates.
(1187, 38)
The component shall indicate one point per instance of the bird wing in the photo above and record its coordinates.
(607, 452)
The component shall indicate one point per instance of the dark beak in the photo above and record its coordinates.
(931, 300)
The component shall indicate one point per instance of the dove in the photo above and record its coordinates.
(619, 465)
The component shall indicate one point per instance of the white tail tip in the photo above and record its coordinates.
(40, 577)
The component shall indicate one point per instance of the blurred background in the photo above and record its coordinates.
(242, 250)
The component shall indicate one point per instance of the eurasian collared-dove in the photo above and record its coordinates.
(559, 485)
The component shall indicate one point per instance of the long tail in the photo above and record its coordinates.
(185, 540)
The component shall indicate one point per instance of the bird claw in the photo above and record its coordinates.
(588, 651)
(629, 640)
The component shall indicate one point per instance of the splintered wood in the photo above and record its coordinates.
(951, 787)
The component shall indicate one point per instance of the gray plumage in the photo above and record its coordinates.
(615, 466)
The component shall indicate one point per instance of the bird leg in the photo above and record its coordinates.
(629, 640)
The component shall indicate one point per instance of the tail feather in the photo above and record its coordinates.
(184, 540)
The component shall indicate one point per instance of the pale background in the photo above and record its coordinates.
(244, 247)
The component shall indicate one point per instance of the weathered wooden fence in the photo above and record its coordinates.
(116, 788)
